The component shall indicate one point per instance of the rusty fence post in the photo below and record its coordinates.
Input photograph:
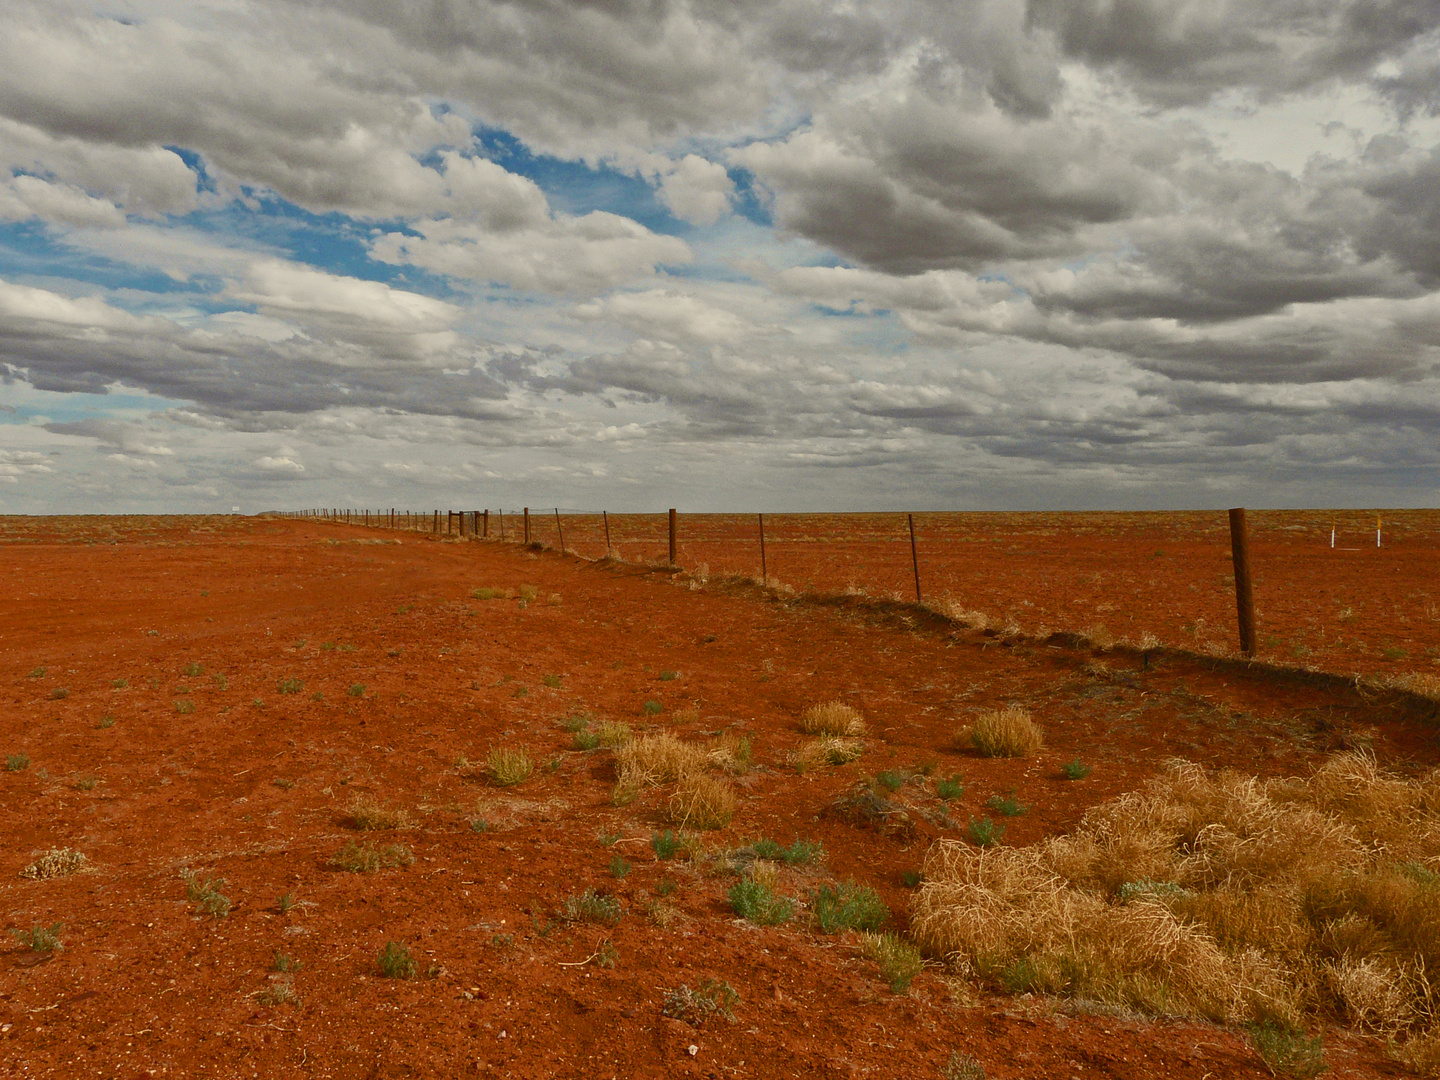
(764, 573)
(559, 530)
(1244, 594)
(527, 524)
(672, 536)
(914, 558)
(486, 525)
(604, 516)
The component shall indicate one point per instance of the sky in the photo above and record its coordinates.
(797, 255)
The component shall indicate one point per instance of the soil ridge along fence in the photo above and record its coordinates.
(1297, 598)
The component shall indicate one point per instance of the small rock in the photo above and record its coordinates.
(692, 1049)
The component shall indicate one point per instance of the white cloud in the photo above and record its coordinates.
(697, 190)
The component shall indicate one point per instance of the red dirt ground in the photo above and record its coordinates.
(221, 773)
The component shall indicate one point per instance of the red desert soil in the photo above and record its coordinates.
(212, 694)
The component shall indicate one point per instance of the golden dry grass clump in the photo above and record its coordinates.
(1221, 896)
(702, 802)
(826, 750)
(507, 766)
(1005, 732)
(832, 718)
(57, 862)
(367, 813)
(658, 759)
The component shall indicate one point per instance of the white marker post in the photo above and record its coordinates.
(1377, 532)
(1332, 536)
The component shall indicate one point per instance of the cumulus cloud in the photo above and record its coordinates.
(697, 190)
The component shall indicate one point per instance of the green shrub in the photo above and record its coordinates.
(192, 670)
(40, 939)
(898, 959)
(756, 902)
(357, 690)
(395, 961)
(848, 906)
(798, 853)
(984, 832)
(1006, 805)
(652, 708)
(1287, 1051)
(17, 762)
(592, 907)
(290, 685)
(1075, 770)
(950, 788)
(59, 694)
(890, 779)
(710, 999)
(366, 858)
(205, 894)
(619, 867)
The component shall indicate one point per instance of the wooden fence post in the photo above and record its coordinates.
(1244, 595)
(672, 536)
(764, 573)
(527, 524)
(486, 534)
(606, 518)
(914, 558)
(559, 530)
(502, 523)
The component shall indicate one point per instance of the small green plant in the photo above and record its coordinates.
(220, 682)
(1287, 1052)
(799, 853)
(317, 696)
(848, 906)
(1006, 804)
(480, 825)
(899, 960)
(106, 721)
(16, 762)
(756, 902)
(192, 670)
(507, 766)
(652, 708)
(529, 593)
(1075, 770)
(592, 907)
(485, 593)
(669, 676)
(890, 779)
(357, 690)
(119, 684)
(552, 681)
(667, 844)
(40, 939)
(578, 722)
(329, 646)
(619, 867)
(205, 894)
(586, 740)
(280, 992)
(519, 692)
(368, 857)
(184, 706)
(85, 783)
(285, 903)
(57, 862)
(710, 999)
(608, 839)
(1392, 653)
(59, 694)
(1020, 977)
(962, 1067)
(395, 961)
(911, 879)
(289, 685)
(984, 832)
(949, 788)
(286, 963)
(38, 673)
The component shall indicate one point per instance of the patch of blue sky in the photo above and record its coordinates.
(196, 164)
(33, 250)
(576, 188)
(748, 200)
(31, 405)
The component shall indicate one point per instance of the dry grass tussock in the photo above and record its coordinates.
(369, 814)
(832, 718)
(1221, 896)
(702, 802)
(1414, 682)
(658, 759)
(1006, 732)
(973, 618)
(57, 862)
(826, 750)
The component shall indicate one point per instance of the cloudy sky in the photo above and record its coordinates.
(791, 255)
